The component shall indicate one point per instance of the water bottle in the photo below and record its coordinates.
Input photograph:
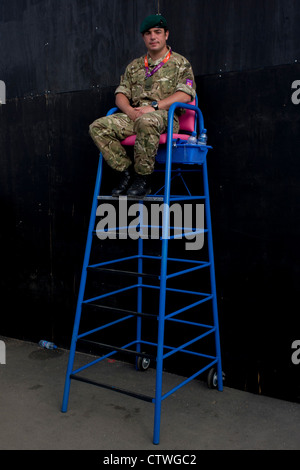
(47, 344)
(192, 139)
(203, 138)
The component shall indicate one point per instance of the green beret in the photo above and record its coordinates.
(153, 21)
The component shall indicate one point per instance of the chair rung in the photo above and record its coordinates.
(122, 271)
(154, 198)
(111, 387)
(120, 310)
(117, 349)
(145, 198)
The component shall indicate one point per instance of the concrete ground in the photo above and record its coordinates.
(193, 418)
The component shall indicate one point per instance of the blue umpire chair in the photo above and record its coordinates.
(174, 150)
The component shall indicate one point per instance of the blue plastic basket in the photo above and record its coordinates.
(183, 152)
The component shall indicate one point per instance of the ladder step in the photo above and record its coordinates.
(111, 387)
(119, 310)
(122, 271)
(102, 267)
(118, 233)
(117, 349)
(117, 198)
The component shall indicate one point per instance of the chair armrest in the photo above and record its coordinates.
(112, 111)
(174, 106)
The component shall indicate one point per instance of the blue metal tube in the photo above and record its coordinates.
(200, 120)
(163, 282)
(99, 359)
(140, 283)
(212, 277)
(184, 234)
(108, 294)
(187, 351)
(82, 287)
(188, 343)
(179, 273)
(189, 379)
(188, 307)
(185, 185)
(99, 328)
(151, 257)
(160, 340)
(186, 322)
(160, 189)
(187, 260)
(104, 263)
(163, 273)
(186, 198)
(171, 289)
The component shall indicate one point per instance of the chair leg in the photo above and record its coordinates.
(82, 288)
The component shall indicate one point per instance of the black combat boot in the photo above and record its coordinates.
(124, 183)
(140, 186)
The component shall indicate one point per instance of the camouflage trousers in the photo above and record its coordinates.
(108, 132)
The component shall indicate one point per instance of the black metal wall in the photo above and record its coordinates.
(61, 60)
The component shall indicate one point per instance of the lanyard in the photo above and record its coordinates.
(149, 74)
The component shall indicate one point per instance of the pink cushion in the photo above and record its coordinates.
(187, 120)
(186, 123)
(129, 140)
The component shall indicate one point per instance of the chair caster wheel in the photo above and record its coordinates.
(142, 363)
(212, 378)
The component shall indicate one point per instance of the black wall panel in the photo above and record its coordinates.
(61, 61)
(255, 193)
(58, 46)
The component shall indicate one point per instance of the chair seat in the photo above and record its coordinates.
(162, 140)
(182, 151)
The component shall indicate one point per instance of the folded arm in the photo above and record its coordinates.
(123, 103)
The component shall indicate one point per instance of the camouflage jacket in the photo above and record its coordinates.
(175, 75)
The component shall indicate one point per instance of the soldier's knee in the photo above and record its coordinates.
(91, 127)
(144, 119)
(95, 126)
(146, 122)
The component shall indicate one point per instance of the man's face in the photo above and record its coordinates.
(155, 39)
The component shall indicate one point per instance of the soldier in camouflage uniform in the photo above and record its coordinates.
(146, 91)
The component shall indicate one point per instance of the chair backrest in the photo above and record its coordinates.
(187, 120)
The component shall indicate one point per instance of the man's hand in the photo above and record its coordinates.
(122, 102)
(143, 110)
(132, 113)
